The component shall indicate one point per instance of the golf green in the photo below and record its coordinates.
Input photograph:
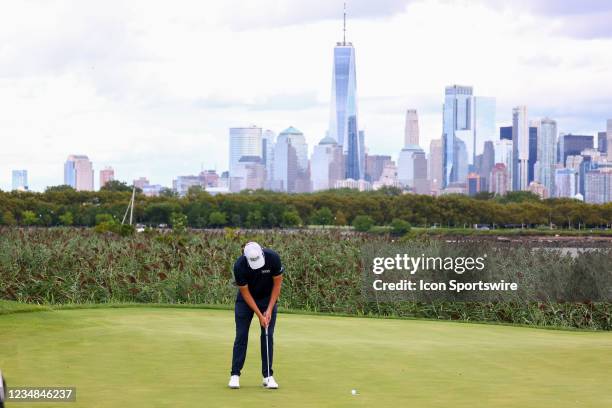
(164, 357)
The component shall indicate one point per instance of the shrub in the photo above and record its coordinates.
(66, 219)
(178, 221)
(363, 223)
(217, 219)
(400, 227)
(291, 218)
(323, 216)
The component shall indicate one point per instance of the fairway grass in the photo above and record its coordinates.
(158, 357)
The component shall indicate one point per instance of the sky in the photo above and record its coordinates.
(151, 88)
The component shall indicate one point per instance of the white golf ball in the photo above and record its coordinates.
(354, 392)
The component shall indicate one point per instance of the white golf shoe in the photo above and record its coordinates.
(234, 382)
(269, 383)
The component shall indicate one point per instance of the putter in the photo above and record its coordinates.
(267, 352)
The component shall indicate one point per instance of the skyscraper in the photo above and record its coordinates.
(411, 131)
(602, 142)
(547, 154)
(483, 125)
(20, 180)
(106, 174)
(267, 150)
(573, 145)
(504, 155)
(609, 138)
(79, 173)
(435, 164)
(412, 169)
(244, 141)
(291, 170)
(343, 124)
(499, 179)
(520, 149)
(565, 183)
(456, 125)
(374, 166)
(327, 164)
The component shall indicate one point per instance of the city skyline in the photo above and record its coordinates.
(120, 103)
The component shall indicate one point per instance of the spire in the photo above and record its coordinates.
(344, 26)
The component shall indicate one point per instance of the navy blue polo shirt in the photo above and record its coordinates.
(259, 280)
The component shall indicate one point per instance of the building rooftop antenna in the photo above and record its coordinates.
(344, 26)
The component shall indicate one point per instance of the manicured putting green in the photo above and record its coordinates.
(159, 357)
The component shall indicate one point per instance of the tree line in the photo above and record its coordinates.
(62, 205)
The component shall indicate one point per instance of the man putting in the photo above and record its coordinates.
(259, 275)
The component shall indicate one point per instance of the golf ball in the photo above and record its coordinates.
(354, 392)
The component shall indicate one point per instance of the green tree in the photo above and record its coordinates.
(66, 219)
(118, 186)
(29, 218)
(291, 218)
(254, 219)
(178, 221)
(340, 218)
(323, 216)
(363, 223)
(217, 219)
(8, 218)
(101, 218)
(400, 227)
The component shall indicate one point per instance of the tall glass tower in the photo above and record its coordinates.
(343, 126)
(457, 133)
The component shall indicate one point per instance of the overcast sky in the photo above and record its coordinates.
(151, 88)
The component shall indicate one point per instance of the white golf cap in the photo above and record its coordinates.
(254, 255)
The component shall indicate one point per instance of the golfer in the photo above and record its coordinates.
(259, 275)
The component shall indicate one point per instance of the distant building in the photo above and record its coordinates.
(602, 142)
(268, 140)
(598, 186)
(249, 174)
(538, 189)
(499, 179)
(609, 138)
(374, 166)
(360, 185)
(327, 164)
(412, 169)
(152, 190)
(566, 181)
(107, 174)
(485, 164)
(388, 178)
(182, 184)
(473, 184)
(243, 141)
(520, 149)
(572, 145)
(79, 173)
(20, 180)
(505, 133)
(456, 120)
(533, 152)
(209, 178)
(504, 154)
(411, 131)
(547, 153)
(291, 169)
(435, 165)
(141, 182)
(454, 188)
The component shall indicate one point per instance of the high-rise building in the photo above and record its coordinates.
(291, 170)
(20, 180)
(602, 142)
(533, 152)
(456, 126)
(249, 174)
(566, 181)
(374, 166)
(412, 168)
(411, 131)
(141, 182)
(609, 138)
(107, 174)
(598, 186)
(538, 189)
(268, 138)
(504, 154)
(79, 173)
(343, 125)
(570, 144)
(388, 177)
(547, 153)
(505, 133)
(483, 124)
(499, 179)
(243, 141)
(473, 184)
(435, 164)
(327, 164)
(520, 149)
(485, 164)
